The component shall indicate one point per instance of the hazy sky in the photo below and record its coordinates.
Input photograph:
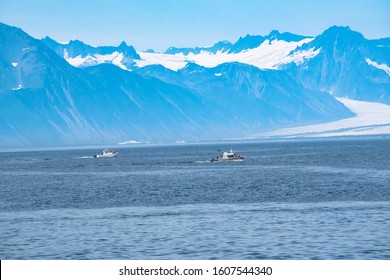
(159, 24)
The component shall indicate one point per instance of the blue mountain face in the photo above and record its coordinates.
(254, 98)
(58, 104)
(101, 104)
(49, 102)
(383, 42)
(158, 110)
(343, 67)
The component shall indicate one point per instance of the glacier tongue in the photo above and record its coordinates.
(371, 119)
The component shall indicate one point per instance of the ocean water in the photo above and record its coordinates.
(286, 200)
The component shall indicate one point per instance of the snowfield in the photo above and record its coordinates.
(173, 62)
(269, 55)
(371, 119)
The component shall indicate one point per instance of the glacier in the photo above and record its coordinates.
(269, 55)
(371, 119)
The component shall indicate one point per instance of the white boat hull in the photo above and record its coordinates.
(228, 157)
(106, 156)
(226, 160)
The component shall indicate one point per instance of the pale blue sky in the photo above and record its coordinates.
(159, 24)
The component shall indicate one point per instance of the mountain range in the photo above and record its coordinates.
(55, 94)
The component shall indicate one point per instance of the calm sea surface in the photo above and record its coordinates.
(287, 200)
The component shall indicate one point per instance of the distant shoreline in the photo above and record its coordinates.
(385, 137)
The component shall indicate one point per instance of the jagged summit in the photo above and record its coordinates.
(221, 46)
(285, 36)
(88, 55)
(48, 40)
(337, 33)
(247, 42)
(338, 29)
(122, 44)
(339, 39)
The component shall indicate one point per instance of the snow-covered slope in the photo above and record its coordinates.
(371, 119)
(265, 52)
(268, 55)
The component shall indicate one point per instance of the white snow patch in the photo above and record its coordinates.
(173, 62)
(371, 119)
(117, 60)
(90, 60)
(14, 64)
(129, 142)
(381, 66)
(19, 87)
(77, 61)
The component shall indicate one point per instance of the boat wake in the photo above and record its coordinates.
(202, 161)
(86, 157)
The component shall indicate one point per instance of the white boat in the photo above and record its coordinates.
(107, 154)
(228, 156)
